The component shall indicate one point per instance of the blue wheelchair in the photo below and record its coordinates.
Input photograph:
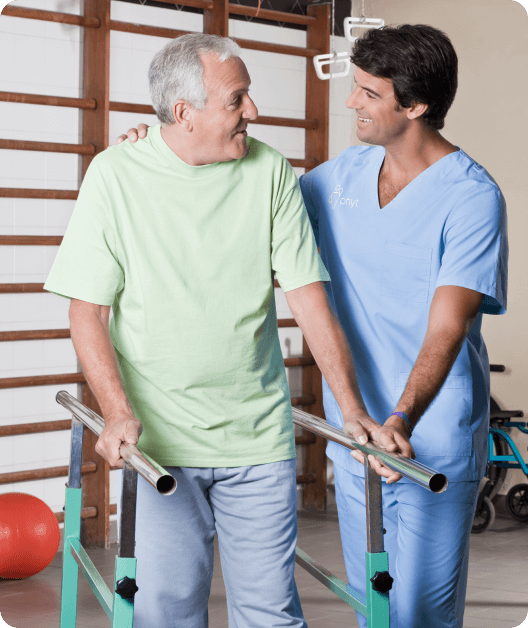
(503, 454)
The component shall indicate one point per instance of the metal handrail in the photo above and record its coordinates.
(415, 471)
(148, 468)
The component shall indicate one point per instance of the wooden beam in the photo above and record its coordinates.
(43, 474)
(96, 488)
(143, 29)
(34, 334)
(56, 101)
(18, 240)
(50, 16)
(281, 49)
(196, 4)
(86, 513)
(305, 479)
(21, 288)
(49, 147)
(216, 19)
(272, 16)
(34, 193)
(308, 163)
(305, 400)
(42, 380)
(35, 428)
(96, 77)
(287, 322)
(316, 149)
(304, 361)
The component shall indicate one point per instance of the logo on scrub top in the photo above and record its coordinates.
(337, 199)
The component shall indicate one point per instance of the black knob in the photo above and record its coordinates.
(382, 581)
(127, 588)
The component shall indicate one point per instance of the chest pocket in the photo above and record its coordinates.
(405, 272)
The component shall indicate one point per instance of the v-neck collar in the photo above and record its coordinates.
(444, 165)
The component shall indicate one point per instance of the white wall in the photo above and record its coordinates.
(45, 58)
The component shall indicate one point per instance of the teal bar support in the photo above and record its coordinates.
(123, 616)
(335, 584)
(93, 577)
(377, 603)
(70, 570)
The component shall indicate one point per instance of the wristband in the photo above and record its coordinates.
(407, 420)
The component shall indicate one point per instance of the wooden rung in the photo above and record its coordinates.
(54, 101)
(277, 48)
(264, 120)
(18, 240)
(306, 479)
(35, 428)
(33, 193)
(42, 380)
(306, 361)
(303, 163)
(34, 334)
(206, 5)
(44, 474)
(52, 16)
(49, 147)
(86, 513)
(306, 400)
(142, 29)
(308, 439)
(289, 122)
(287, 322)
(273, 16)
(19, 288)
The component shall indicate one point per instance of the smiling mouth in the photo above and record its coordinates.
(365, 120)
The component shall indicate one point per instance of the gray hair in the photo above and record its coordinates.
(176, 72)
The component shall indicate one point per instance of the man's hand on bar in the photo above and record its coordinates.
(390, 437)
(119, 430)
(133, 134)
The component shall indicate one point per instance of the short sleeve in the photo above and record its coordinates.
(294, 255)
(475, 249)
(86, 266)
(306, 183)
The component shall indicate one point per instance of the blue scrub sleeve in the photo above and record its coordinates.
(475, 248)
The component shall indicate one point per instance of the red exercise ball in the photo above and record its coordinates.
(29, 535)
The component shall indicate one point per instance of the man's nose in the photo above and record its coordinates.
(250, 109)
(353, 100)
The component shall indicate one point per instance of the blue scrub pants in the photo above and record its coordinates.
(427, 538)
(253, 511)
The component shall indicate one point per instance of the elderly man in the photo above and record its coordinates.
(180, 234)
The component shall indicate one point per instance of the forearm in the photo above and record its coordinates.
(93, 345)
(437, 355)
(328, 345)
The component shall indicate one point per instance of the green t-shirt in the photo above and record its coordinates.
(184, 255)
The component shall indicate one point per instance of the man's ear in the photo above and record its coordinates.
(183, 115)
(416, 110)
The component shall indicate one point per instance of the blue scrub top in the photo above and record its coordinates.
(447, 227)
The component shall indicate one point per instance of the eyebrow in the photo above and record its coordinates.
(240, 91)
(367, 89)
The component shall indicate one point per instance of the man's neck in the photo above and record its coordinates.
(177, 142)
(410, 155)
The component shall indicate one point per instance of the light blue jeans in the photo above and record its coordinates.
(427, 538)
(253, 511)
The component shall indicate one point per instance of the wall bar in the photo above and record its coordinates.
(277, 48)
(51, 16)
(43, 474)
(273, 16)
(303, 163)
(305, 400)
(143, 29)
(42, 380)
(70, 195)
(19, 240)
(21, 288)
(35, 428)
(49, 147)
(206, 5)
(86, 513)
(306, 361)
(287, 322)
(34, 334)
(54, 101)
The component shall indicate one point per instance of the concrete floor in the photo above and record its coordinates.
(497, 595)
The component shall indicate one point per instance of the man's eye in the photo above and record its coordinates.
(369, 95)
